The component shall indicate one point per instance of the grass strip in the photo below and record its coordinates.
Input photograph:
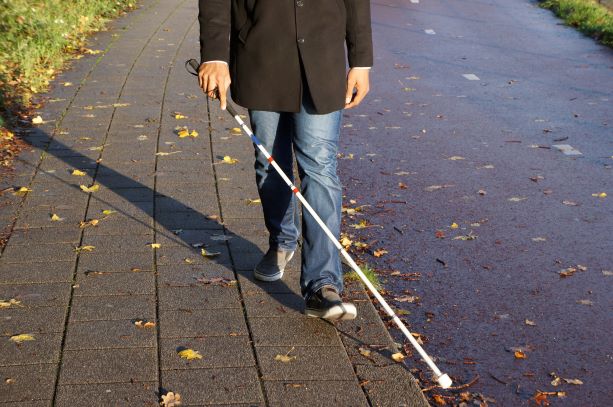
(588, 16)
(38, 37)
(368, 272)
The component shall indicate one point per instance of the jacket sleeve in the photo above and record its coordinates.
(358, 33)
(214, 19)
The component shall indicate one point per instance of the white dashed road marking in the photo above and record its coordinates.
(415, 1)
(430, 31)
(471, 76)
(567, 149)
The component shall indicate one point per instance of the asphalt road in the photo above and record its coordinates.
(473, 95)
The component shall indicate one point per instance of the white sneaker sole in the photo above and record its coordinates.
(270, 278)
(338, 312)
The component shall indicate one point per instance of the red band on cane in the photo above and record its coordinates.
(270, 159)
(295, 190)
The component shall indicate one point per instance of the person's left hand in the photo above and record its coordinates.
(357, 79)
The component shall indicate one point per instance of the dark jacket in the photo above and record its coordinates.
(265, 41)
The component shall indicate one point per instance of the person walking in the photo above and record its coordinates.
(285, 61)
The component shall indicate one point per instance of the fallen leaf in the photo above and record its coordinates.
(398, 357)
(538, 239)
(22, 191)
(530, 323)
(179, 116)
(567, 272)
(92, 188)
(9, 303)
(107, 212)
(469, 236)
(576, 382)
(84, 249)
(229, 160)
(438, 399)
(216, 281)
(139, 323)
(570, 203)
(402, 185)
(600, 195)
(235, 130)
(21, 338)
(379, 252)
(92, 222)
(517, 199)
(171, 399)
(37, 120)
(254, 201)
(365, 352)
(585, 302)
(607, 273)
(456, 158)
(78, 173)
(285, 358)
(454, 225)
(163, 154)
(190, 354)
(407, 298)
(520, 355)
(155, 245)
(205, 253)
(55, 218)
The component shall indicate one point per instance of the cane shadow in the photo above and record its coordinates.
(173, 220)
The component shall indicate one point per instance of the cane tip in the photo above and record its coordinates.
(444, 381)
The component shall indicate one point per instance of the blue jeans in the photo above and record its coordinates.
(314, 141)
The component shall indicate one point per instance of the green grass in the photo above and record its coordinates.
(368, 272)
(587, 16)
(38, 37)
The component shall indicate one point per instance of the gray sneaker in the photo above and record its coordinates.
(327, 304)
(272, 265)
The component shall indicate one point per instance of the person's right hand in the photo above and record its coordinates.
(214, 79)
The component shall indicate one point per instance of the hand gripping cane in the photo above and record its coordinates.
(443, 379)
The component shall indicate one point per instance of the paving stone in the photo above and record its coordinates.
(117, 261)
(108, 334)
(129, 194)
(55, 163)
(137, 210)
(274, 305)
(29, 382)
(120, 181)
(109, 244)
(35, 236)
(121, 225)
(113, 307)
(43, 219)
(109, 283)
(189, 237)
(199, 296)
(214, 386)
(45, 348)
(191, 323)
(315, 393)
(15, 320)
(40, 253)
(108, 366)
(293, 332)
(178, 275)
(205, 206)
(185, 220)
(367, 327)
(391, 385)
(216, 351)
(38, 295)
(311, 362)
(182, 255)
(105, 395)
(45, 272)
(290, 284)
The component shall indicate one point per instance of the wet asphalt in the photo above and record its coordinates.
(468, 100)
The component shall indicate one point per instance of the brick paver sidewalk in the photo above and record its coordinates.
(113, 117)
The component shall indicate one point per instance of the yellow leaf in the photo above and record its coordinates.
(108, 212)
(190, 354)
(93, 222)
(21, 338)
(285, 358)
(179, 116)
(37, 120)
(183, 133)
(229, 160)
(456, 158)
(600, 195)
(204, 253)
(139, 323)
(162, 153)
(398, 357)
(171, 399)
(188, 260)
(22, 191)
(84, 249)
(78, 173)
(365, 352)
(56, 218)
(360, 225)
(530, 323)
(93, 188)
(9, 303)
(236, 130)
(379, 252)
(155, 245)
(254, 201)
(345, 242)
(67, 83)
(454, 225)
(93, 51)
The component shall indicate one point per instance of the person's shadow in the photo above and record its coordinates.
(173, 220)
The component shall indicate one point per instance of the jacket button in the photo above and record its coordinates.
(300, 40)
(300, 3)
